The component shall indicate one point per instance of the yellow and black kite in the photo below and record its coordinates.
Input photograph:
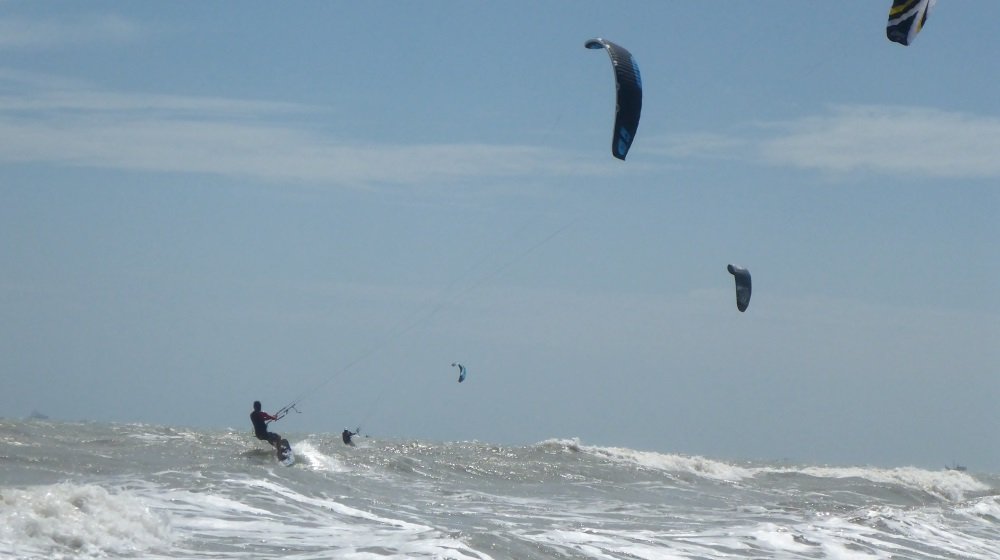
(906, 19)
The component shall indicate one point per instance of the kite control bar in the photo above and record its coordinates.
(285, 410)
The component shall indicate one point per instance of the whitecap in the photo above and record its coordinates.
(946, 485)
(78, 520)
(316, 459)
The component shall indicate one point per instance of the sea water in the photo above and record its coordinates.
(138, 491)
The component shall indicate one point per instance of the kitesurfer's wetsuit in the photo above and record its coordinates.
(346, 436)
(259, 419)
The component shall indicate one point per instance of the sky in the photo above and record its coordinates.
(204, 204)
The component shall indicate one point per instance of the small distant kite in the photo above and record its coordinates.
(742, 277)
(628, 106)
(461, 371)
(906, 19)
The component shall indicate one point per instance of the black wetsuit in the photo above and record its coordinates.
(346, 435)
(260, 428)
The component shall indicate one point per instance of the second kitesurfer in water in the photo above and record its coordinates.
(346, 436)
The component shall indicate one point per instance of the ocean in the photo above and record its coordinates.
(88, 490)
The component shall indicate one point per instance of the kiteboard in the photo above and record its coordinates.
(285, 454)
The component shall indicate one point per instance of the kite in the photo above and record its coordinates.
(906, 19)
(461, 371)
(742, 277)
(628, 84)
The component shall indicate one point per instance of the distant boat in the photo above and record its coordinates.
(35, 415)
(955, 467)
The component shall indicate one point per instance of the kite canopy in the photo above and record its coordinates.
(461, 371)
(906, 19)
(628, 83)
(742, 277)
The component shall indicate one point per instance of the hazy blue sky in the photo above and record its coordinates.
(207, 203)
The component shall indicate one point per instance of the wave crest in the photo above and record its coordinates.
(79, 520)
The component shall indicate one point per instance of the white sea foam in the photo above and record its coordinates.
(985, 509)
(568, 444)
(316, 459)
(160, 497)
(592, 542)
(947, 485)
(70, 520)
(884, 533)
(695, 465)
(258, 516)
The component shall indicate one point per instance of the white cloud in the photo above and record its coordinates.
(898, 140)
(239, 138)
(80, 100)
(52, 33)
(700, 144)
(893, 140)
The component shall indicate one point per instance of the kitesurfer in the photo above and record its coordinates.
(346, 436)
(260, 420)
